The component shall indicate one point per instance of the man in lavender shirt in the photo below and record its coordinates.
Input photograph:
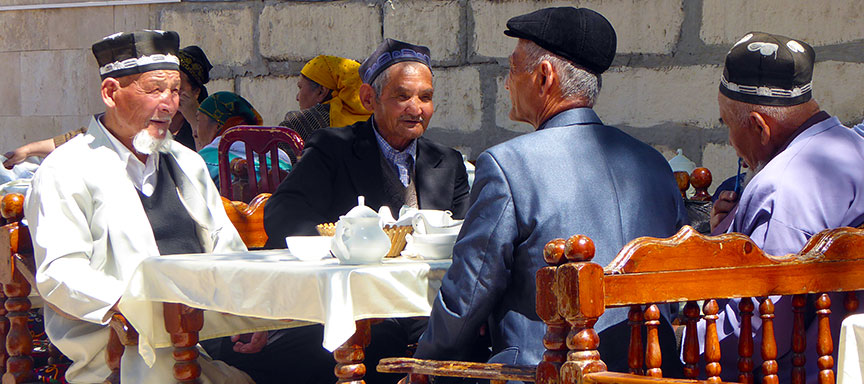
(804, 176)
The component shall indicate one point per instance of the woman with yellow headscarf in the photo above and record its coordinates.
(328, 97)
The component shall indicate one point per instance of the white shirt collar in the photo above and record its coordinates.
(143, 175)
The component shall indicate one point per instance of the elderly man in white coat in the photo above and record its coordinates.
(118, 194)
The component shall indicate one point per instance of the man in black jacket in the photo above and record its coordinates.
(385, 159)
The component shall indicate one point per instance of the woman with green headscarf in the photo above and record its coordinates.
(217, 113)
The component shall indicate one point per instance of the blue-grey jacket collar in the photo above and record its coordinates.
(576, 116)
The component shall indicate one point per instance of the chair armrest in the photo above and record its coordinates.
(458, 369)
(629, 378)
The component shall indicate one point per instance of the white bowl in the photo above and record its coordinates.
(309, 248)
(432, 247)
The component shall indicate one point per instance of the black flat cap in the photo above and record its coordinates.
(128, 53)
(391, 52)
(767, 69)
(580, 35)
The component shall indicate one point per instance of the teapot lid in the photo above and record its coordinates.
(361, 210)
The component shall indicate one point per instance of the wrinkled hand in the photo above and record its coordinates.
(726, 201)
(15, 157)
(249, 342)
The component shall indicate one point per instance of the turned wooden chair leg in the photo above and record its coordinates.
(184, 323)
(349, 356)
(799, 340)
(712, 343)
(19, 341)
(555, 338)
(769, 343)
(691, 340)
(825, 346)
(113, 355)
(4, 330)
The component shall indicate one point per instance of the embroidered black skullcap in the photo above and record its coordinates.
(128, 53)
(194, 63)
(767, 69)
(391, 52)
(580, 35)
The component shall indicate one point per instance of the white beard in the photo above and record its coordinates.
(750, 174)
(146, 144)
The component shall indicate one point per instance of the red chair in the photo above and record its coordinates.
(262, 141)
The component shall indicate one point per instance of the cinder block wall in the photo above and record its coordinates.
(662, 87)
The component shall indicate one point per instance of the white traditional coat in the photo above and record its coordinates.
(90, 233)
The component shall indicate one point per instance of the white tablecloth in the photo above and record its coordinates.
(850, 368)
(262, 285)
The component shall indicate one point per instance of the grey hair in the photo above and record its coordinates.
(740, 112)
(574, 81)
(384, 78)
(380, 81)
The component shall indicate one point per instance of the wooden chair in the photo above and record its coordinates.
(17, 275)
(572, 295)
(261, 141)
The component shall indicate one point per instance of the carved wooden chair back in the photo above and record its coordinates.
(260, 141)
(703, 268)
(248, 219)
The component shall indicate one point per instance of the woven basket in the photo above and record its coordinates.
(395, 233)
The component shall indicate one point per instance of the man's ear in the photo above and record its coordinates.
(761, 124)
(109, 89)
(545, 77)
(367, 97)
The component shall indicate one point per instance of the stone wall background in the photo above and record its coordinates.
(662, 88)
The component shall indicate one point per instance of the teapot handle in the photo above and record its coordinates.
(340, 234)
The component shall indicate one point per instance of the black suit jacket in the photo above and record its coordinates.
(339, 164)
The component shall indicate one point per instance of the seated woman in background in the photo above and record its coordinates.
(217, 113)
(328, 97)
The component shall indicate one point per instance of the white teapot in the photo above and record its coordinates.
(359, 238)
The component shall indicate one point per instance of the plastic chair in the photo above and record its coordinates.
(262, 141)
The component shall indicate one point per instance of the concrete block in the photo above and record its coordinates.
(457, 99)
(301, 31)
(224, 34)
(133, 18)
(68, 27)
(18, 130)
(435, 24)
(23, 31)
(721, 160)
(272, 96)
(216, 85)
(642, 27)
(62, 83)
(10, 97)
(837, 88)
(644, 97)
(502, 109)
(818, 23)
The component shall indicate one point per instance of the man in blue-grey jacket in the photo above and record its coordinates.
(574, 175)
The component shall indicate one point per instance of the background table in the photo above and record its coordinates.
(262, 287)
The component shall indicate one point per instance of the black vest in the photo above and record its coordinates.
(172, 226)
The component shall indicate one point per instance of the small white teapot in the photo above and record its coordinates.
(359, 238)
